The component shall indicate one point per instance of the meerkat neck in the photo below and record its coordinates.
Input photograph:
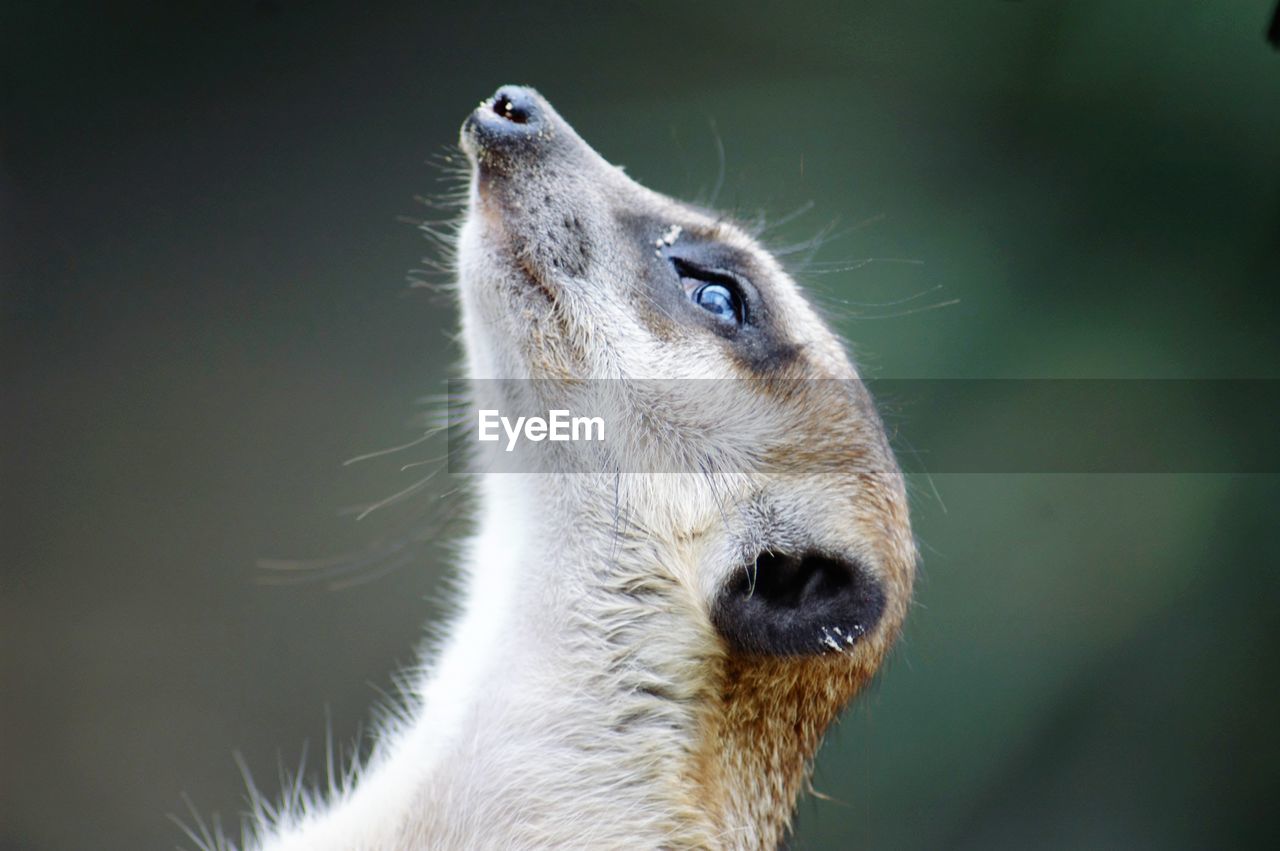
(578, 675)
(578, 666)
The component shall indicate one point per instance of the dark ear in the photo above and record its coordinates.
(792, 605)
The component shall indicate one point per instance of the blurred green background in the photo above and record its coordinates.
(205, 312)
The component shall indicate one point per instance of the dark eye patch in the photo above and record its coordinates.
(754, 335)
(718, 292)
(758, 343)
(707, 270)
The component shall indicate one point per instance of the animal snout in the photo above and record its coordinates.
(513, 124)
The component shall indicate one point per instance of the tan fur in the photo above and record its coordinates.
(766, 723)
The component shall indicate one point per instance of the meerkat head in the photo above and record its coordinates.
(589, 274)
(790, 539)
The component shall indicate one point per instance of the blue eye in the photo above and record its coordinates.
(718, 300)
(716, 291)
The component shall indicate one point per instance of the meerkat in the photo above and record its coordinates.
(654, 635)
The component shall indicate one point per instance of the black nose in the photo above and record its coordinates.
(513, 121)
(516, 104)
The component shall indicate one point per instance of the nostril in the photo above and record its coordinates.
(508, 109)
